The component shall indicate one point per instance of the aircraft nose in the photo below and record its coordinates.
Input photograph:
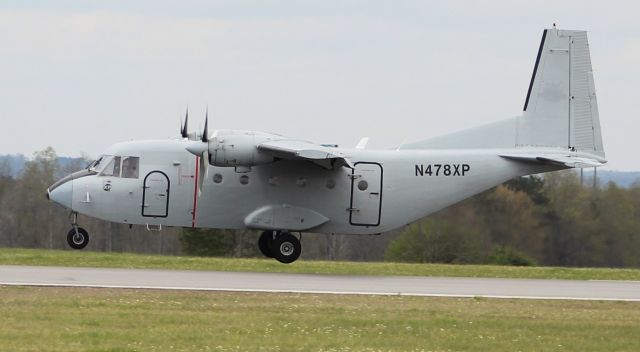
(62, 193)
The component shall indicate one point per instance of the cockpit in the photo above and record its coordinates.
(116, 166)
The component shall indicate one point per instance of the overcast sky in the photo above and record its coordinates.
(82, 75)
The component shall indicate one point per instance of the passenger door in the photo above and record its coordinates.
(155, 195)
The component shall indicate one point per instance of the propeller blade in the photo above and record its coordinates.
(203, 170)
(184, 131)
(205, 134)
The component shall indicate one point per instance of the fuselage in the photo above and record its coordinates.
(156, 183)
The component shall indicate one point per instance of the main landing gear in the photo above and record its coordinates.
(281, 245)
(77, 237)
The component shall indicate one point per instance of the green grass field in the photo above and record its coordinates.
(15, 256)
(86, 319)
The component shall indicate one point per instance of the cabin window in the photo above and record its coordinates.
(331, 183)
(130, 166)
(244, 179)
(217, 178)
(112, 168)
(273, 180)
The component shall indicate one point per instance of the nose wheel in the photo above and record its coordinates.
(77, 237)
(280, 245)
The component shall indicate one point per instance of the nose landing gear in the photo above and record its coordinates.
(77, 237)
(281, 245)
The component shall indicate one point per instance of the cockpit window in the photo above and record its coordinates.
(113, 168)
(130, 165)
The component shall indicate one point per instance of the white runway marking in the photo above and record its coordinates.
(321, 284)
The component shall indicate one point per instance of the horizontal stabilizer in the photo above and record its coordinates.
(566, 160)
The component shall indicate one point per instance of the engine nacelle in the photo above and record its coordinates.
(238, 149)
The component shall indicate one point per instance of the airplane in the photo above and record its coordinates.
(231, 179)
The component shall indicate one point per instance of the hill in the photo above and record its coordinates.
(13, 164)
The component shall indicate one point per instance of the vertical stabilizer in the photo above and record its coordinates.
(561, 109)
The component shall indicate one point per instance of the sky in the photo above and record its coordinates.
(82, 75)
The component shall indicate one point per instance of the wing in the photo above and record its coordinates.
(291, 149)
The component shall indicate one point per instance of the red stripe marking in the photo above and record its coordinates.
(195, 194)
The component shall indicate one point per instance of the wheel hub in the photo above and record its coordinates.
(78, 238)
(286, 248)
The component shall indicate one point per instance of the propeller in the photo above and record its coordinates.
(205, 134)
(184, 131)
(201, 150)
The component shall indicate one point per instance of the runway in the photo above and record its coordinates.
(325, 284)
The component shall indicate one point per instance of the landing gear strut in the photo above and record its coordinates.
(281, 245)
(77, 237)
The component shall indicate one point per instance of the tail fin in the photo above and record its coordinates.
(560, 118)
(561, 108)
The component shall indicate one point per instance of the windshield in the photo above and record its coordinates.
(99, 163)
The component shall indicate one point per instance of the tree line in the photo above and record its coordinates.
(555, 220)
(29, 220)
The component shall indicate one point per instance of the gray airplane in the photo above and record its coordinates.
(281, 186)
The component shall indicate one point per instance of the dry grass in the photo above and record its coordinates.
(16, 256)
(81, 319)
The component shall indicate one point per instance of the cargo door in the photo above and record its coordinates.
(366, 194)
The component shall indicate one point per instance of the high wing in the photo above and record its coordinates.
(291, 149)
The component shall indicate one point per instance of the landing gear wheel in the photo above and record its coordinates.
(265, 243)
(78, 238)
(286, 248)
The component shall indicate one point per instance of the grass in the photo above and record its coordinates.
(81, 319)
(16, 256)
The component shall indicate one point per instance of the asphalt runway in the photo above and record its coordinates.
(328, 284)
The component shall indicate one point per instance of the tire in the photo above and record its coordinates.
(79, 240)
(265, 243)
(286, 248)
